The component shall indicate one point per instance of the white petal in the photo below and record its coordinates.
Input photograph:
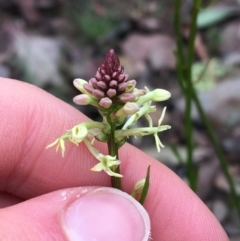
(98, 167)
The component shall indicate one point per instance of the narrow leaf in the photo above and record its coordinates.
(145, 187)
(211, 16)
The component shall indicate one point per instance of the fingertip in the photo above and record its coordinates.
(107, 214)
(88, 213)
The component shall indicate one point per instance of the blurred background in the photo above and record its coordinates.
(48, 43)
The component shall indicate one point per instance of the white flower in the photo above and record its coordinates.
(121, 134)
(75, 135)
(106, 163)
(160, 128)
(79, 132)
(60, 143)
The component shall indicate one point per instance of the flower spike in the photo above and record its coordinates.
(121, 105)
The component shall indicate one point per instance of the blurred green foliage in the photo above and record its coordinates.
(89, 23)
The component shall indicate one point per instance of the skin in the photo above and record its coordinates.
(31, 119)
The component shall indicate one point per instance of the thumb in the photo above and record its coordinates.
(75, 214)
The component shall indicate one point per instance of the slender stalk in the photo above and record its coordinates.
(191, 170)
(179, 52)
(113, 151)
(219, 152)
(185, 82)
(184, 71)
(177, 154)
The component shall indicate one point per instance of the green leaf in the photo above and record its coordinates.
(145, 187)
(211, 16)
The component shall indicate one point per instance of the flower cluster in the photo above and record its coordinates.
(109, 85)
(86, 132)
(121, 104)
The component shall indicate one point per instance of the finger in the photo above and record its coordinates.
(30, 170)
(7, 200)
(88, 213)
(30, 120)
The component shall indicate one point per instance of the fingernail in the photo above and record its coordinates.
(106, 214)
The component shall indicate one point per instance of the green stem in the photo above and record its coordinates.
(177, 154)
(184, 75)
(191, 170)
(219, 152)
(113, 151)
(184, 71)
(179, 52)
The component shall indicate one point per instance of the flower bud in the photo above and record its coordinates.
(138, 188)
(105, 102)
(113, 83)
(93, 82)
(139, 92)
(88, 88)
(85, 99)
(120, 120)
(155, 95)
(111, 93)
(122, 86)
(129, 108)
(160, 95)
(101, 137)
(82, 99)
(98, 93)
(126, 97)
(130, 85)
(102, 85)
(78, 83)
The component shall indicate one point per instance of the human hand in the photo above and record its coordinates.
(55, 197)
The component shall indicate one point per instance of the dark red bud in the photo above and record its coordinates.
(98, 76)
(93, 82)
(122, 86)
(111, 62)
(113, 83)
(111, 93)
(107, 78)
(121, 77)
(98, 94)
(102, 85)
(88, 87)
